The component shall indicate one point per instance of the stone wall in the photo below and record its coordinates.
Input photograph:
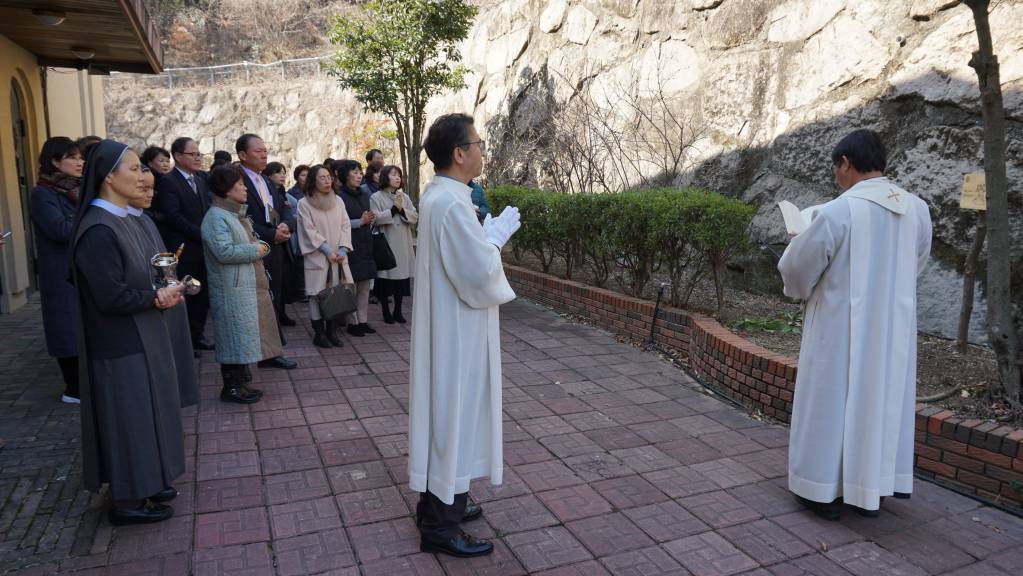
(773, 83)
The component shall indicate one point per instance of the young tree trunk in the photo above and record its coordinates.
(969, 279)
(1004, 340)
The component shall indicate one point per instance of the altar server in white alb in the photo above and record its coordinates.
(455, 395)
(856, 267)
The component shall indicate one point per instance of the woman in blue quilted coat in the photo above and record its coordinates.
(245, 323)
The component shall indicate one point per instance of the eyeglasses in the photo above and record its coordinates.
(196, 155)
(482, 144)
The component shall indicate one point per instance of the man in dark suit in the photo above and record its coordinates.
(264, 201)
(182, 200)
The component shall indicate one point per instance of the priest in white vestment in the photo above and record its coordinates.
(856, 267)
(455, 390)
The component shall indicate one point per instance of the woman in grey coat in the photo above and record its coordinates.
(52, 209)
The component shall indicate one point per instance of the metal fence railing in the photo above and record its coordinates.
(237, 73)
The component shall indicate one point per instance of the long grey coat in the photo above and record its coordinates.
(131, 416)
(397, 228)
(243, 314)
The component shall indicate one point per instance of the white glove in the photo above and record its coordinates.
(498, 230)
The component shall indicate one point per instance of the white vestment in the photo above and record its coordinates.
(455, 391)
(853, 412)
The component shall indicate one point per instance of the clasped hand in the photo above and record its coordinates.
(368, 217)
(337, 258)
(170, 296)
(283, 234)
(499, 230)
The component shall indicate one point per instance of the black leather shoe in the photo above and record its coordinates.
(278, 362)
(254, 391)
(146, 513)
(462, 546)
(238, 395)
(472, 512)
(355, 330)
(202, 345)
(287, 320)
(902, 495)
(830, 511)
(366, 329)
(399, 318)
(166, 495)
(867, 513)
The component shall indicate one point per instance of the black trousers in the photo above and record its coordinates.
(437, 520)
(274, 263)
(198, 306)
(235, 375)
(69, 370)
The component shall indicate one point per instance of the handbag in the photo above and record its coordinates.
(336, 301)
(383, 256)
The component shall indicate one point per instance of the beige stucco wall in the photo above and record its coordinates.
(75, 103)
(18, 66)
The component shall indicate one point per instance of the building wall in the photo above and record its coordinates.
(20, 67)
(74, 102)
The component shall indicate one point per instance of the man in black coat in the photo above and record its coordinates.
(182, 200)
(264, 201)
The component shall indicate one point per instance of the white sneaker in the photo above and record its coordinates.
(69, 399)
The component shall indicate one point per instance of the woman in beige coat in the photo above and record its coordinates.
(395, 217)
(325, 239)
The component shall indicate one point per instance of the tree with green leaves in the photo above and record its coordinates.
(397, 54)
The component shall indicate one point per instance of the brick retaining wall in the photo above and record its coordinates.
(972, 456)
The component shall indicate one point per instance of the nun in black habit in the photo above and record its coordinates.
(131, 416)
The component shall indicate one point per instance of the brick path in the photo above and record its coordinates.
(616, 464)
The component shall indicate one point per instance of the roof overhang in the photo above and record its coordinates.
(118, 33)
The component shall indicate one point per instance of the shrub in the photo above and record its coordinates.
(686, 233)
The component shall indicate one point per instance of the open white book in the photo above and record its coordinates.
(797, 220)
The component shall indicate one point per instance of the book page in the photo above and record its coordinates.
(795, 223)
(809, 212)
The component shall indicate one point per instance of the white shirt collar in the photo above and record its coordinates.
(133, 211)
(185, 174)
(109, 207)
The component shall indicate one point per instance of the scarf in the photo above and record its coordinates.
(69, 186)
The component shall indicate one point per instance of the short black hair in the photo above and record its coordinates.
(446, 133)
(178, 145)
(242, 144)
(152, 153)
(864, 149)
(85, 144)
(373, 152)
(222, 157)
(298, 170)
(223, 178)
(54, 150)
(273, 168)
(342, 168)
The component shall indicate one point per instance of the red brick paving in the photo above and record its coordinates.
(616, 463)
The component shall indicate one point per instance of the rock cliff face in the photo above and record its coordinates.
(775, 84)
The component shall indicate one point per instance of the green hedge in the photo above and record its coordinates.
(685, 234)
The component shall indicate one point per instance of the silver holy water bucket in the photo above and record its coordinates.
(166, 265)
